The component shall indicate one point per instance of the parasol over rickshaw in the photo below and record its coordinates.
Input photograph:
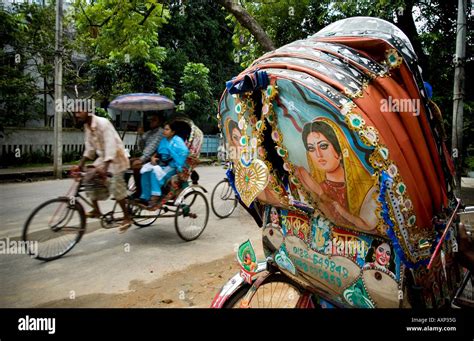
(141, 102)
(151, 102)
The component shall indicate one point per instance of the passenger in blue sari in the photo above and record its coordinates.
(172, 153)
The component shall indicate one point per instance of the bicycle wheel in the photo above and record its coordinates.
(192, 216)
(54, 228)
(276, 291)
(223, 199)
(142, 217)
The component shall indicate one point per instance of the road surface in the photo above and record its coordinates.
(108, 263)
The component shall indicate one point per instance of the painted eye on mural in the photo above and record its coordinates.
(323, 145)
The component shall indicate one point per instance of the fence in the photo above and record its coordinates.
(17, 142)
(210, 145)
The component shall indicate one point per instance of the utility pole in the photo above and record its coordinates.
(58, 93)
(458, 93)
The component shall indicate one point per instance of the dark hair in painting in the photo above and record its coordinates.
(371, 254)
(322, 128)
(232, 125)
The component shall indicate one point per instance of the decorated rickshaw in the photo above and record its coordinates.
(183, 198)
(57, 225)
(340, 157)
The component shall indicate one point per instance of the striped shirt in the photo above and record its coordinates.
(150, 142)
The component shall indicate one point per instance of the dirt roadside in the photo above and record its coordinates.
(195, 287)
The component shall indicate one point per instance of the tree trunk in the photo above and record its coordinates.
(247, 21)
(407, 25)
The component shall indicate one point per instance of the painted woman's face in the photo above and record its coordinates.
(383, 254)
(235, 136)
(322, 152)
(274, 217)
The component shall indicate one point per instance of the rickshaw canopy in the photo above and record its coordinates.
(141, 102)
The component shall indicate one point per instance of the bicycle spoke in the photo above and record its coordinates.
(191, 216)
(223, 199)
(56, 226)
(274, 294)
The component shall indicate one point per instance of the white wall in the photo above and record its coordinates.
(29, 139)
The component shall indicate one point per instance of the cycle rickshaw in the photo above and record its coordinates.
(57, 225)
(341, 160)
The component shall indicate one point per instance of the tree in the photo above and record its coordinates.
(197, 95)
(247, 21)
(284, 22)
(198, 32)
(120, 41)
(18, 92)
(27, 62)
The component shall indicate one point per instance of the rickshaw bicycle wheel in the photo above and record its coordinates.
(54, 227)
(142, 217)
(223, 199)
(276, 291)
(191, 216)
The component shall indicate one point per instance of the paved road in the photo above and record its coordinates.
(105, 261)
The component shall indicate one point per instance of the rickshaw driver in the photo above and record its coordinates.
(102, 139)
(148, 142)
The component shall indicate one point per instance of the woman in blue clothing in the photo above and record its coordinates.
(171, 158)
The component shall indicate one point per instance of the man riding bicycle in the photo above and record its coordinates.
(103, 141)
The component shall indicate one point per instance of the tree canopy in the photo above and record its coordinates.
(27, 54)
(186, 50)
(144, 46)
(120, 43)
(429, 24)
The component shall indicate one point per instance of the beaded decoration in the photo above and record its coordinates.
(251, 173)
